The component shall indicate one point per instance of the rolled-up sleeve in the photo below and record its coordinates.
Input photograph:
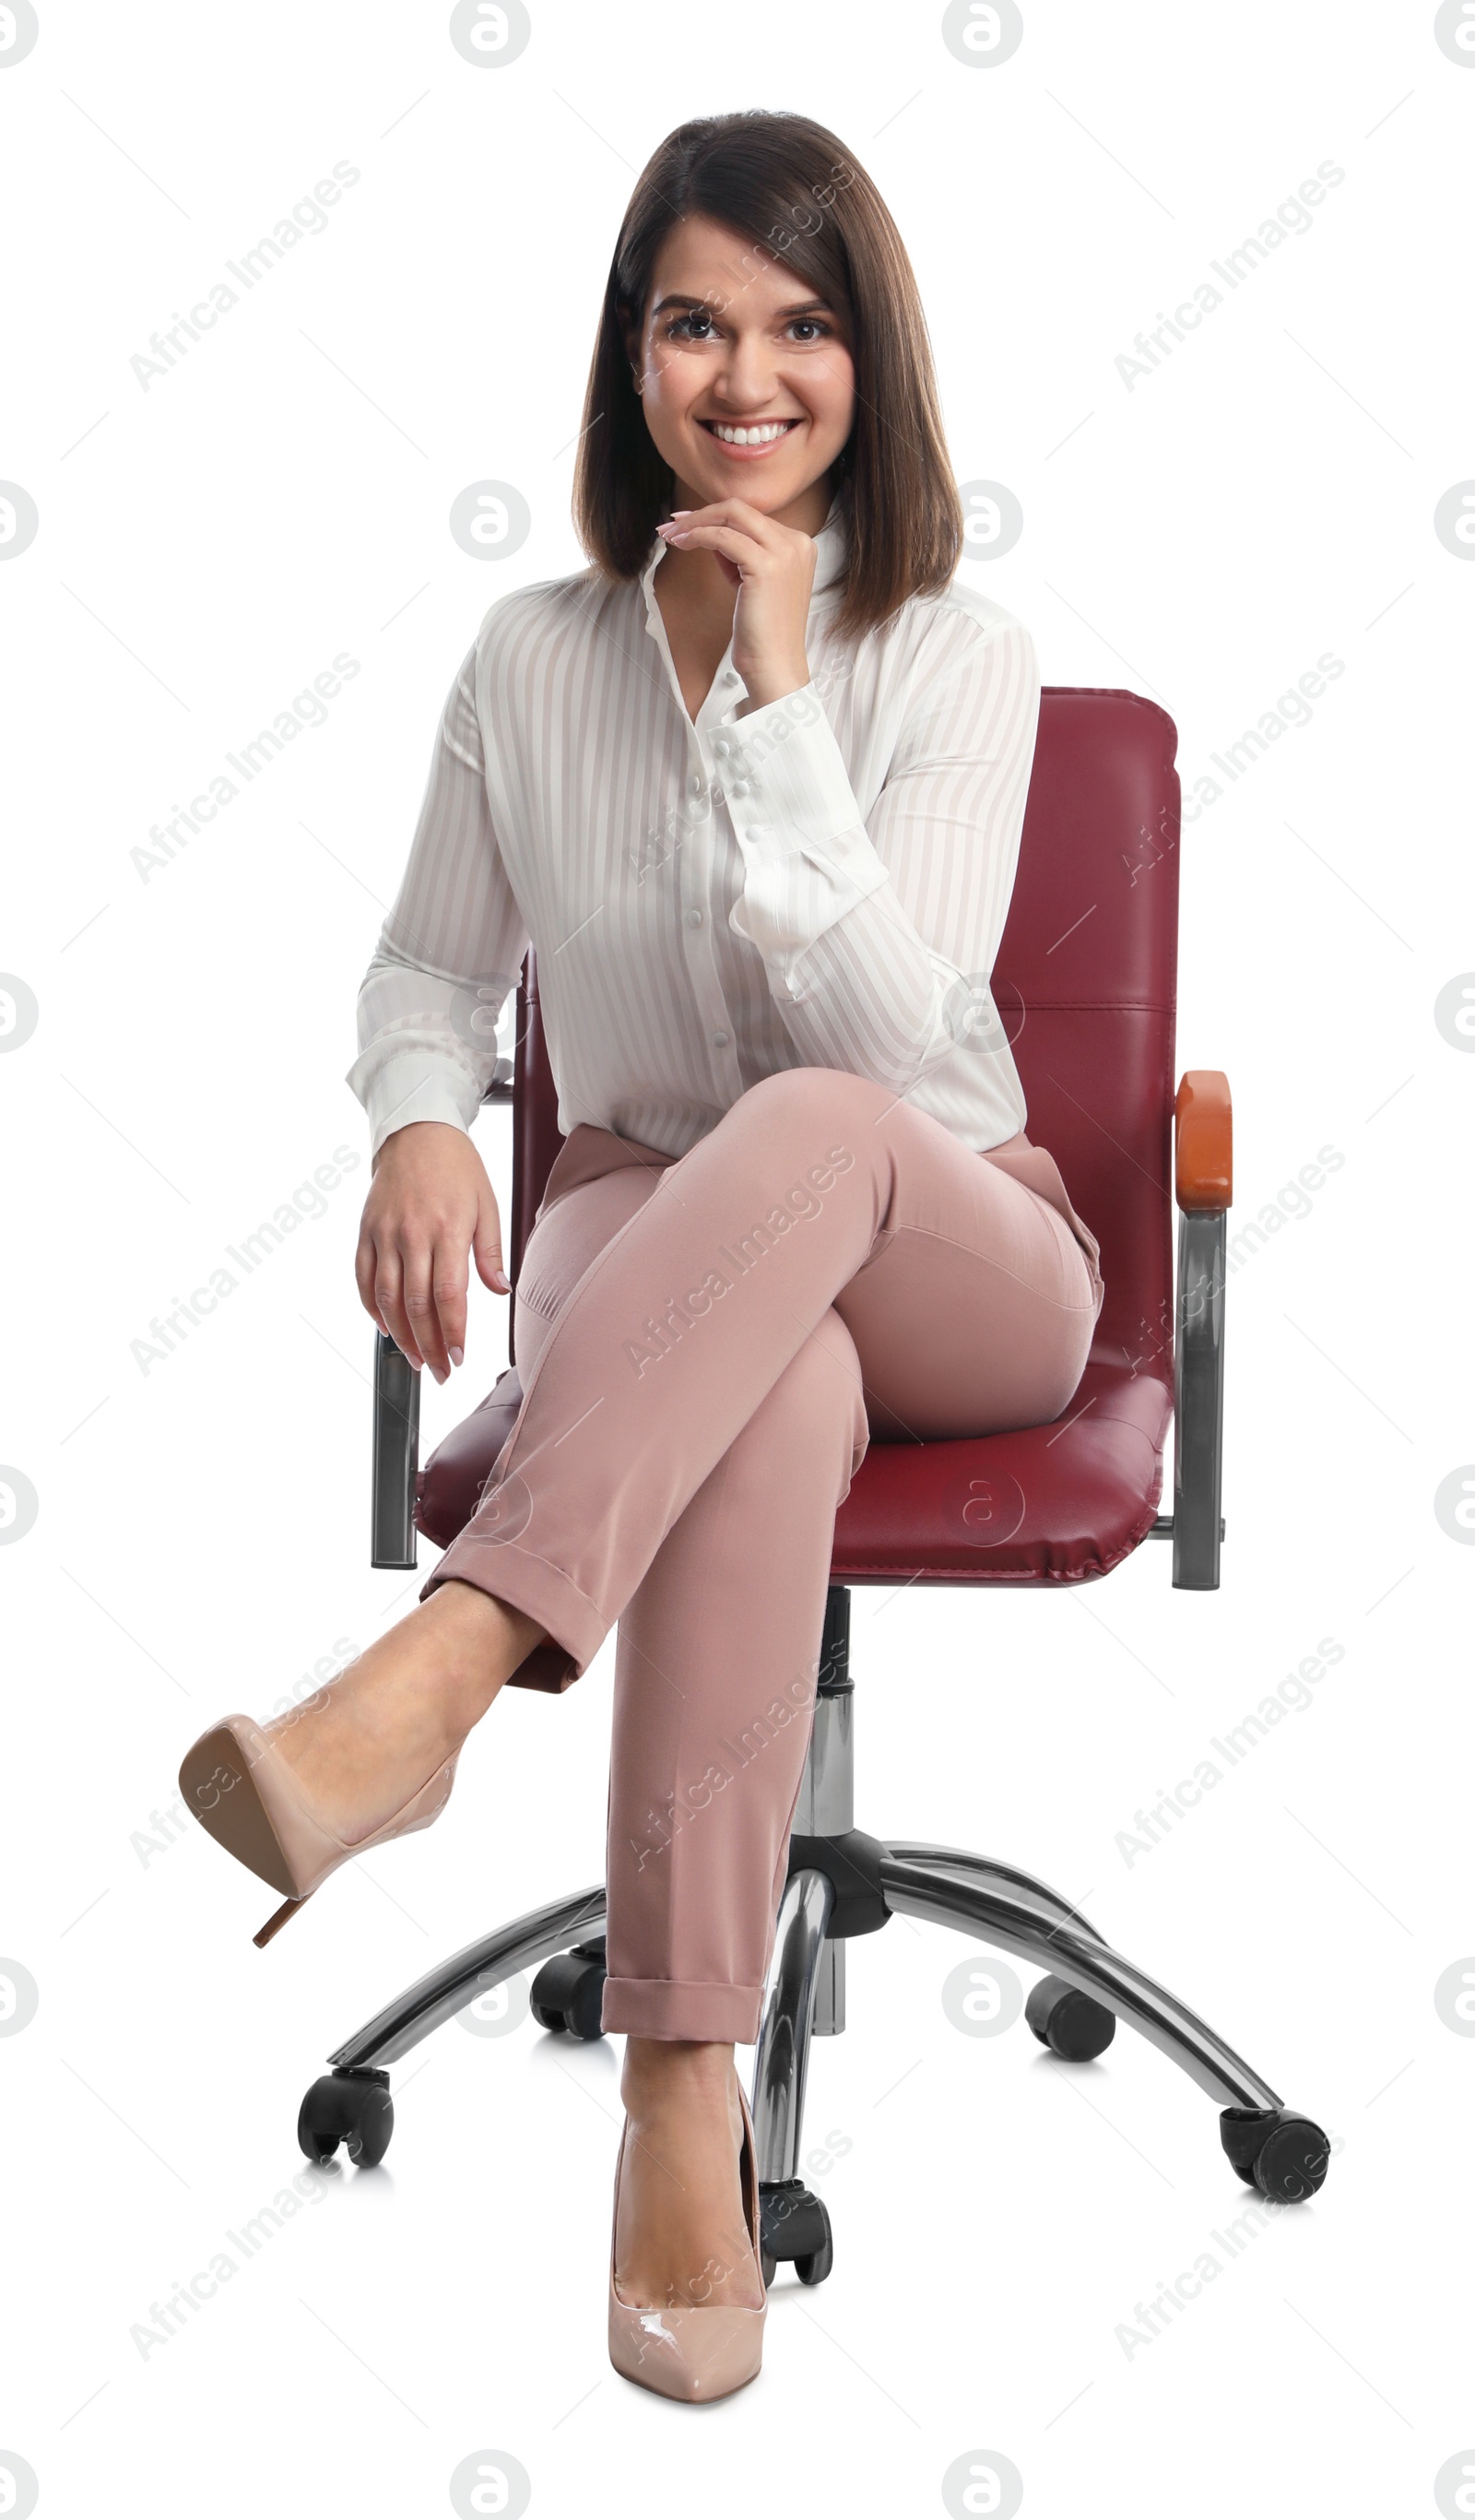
(879, 933)
(449, 952)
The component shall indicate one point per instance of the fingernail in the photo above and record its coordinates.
(683, 511)
(457, 1355)
(414, 1363)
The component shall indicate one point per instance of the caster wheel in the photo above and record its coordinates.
(795, 2232)
(353, 2110)
(1071, 2024)
(1276, 2150)
(816, 2267)
(1292, 2163)
(568, 1992)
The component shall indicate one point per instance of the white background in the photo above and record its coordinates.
(206, 548)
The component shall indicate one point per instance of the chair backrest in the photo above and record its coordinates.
(1086, 987)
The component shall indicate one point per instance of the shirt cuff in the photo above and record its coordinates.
(414, 1085)
(808, 856)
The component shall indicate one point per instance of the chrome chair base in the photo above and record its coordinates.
(1087, 1989)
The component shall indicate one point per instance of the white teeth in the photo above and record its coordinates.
(763, 437)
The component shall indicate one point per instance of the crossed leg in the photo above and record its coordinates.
(678, 1457)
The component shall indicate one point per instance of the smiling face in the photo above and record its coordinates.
(748, 388)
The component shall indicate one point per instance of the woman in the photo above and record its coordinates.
(752, 783)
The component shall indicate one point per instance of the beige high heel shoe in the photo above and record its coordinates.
(242, 1790)
(702, 2350)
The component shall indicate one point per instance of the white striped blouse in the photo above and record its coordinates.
(821, 883)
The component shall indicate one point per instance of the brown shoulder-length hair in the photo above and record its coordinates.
(790, 186)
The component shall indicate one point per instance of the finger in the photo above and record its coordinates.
(734, 512)
(389, 1295)
(687, 521)
(486, 1247)
(417, 1262)
(448, 1285)
(778, 541)
(738, 544)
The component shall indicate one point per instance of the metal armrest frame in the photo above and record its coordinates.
(1203, 1181)
(396, 1456)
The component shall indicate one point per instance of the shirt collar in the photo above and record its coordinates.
(832, 549)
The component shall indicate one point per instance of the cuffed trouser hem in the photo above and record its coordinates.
(673, 2008)
(576, 1628)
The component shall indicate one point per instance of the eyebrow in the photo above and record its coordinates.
(708, 305)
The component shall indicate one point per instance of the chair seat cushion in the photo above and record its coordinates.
(1052, 1503)
(450, 1483)
(1055, 1503)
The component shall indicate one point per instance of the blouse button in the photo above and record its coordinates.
(738, 788)
(693, 918)
(721, 1040)
(722, 746)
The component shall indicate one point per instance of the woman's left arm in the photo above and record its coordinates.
(877, 934)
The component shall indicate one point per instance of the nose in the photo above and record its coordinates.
(746, 375)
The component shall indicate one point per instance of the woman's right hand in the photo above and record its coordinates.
(428, 1203)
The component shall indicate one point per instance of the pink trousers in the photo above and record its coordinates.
(706, 1345)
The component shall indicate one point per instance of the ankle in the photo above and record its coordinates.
(457, 1649)
(665, 2072)
(477, 1642)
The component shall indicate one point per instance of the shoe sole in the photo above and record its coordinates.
(218, 1787)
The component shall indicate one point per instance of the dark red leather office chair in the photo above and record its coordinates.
(1086, 988)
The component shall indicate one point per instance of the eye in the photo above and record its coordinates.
(684, 328)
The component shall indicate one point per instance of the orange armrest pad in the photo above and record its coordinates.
(1203, 1139)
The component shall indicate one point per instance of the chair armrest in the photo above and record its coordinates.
(396, 1455)
(1203, 1183)
(1203, 1142)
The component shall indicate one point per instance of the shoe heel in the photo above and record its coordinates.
(279, 1918)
